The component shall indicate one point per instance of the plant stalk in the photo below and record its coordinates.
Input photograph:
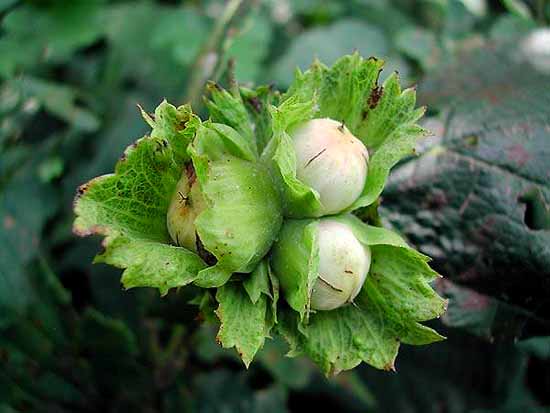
(210, 57)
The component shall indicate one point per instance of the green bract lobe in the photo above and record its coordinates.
(332, 161)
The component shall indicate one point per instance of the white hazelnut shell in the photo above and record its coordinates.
(331, 161)
(343, 266)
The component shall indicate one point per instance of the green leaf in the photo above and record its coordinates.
(225, 390)
(150, 263)
(156, 61)
(227, 108)
(133, 201)
(6, 4)
(177, 125)
(250, 46)
(243, 323)
(15, 56)
(538, 346)
(257, 102)
(112, 350)
(294, 373)
(509, 27)
(518, 8)
(419, 44)
(60, 101)
(63, 28)
(104, 334)
(243, 215)
(398, 146)
(486, 317)
(21, 224)
(129, 206)
(295, 261)
(179, 30)
(341, 339)
(371, 235)
(398, 282)
(258, 282)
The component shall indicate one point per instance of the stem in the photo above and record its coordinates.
(209, 57)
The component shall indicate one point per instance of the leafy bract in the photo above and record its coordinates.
(129, 206)
(295, 260)
(299, 200)
(241, 219)
(150, 263)
(258, 283)
(395, 298)
(242, 321)
(258, 101)
(243, 215)
(245, 110)
(383, 117)
(227, 108)
(245, 312)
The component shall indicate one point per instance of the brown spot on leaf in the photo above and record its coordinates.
(93, 230)
(375, 96)
(82, 189)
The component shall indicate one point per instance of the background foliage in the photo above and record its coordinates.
(476, 199)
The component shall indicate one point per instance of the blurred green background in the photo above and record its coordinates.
(476, 199)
